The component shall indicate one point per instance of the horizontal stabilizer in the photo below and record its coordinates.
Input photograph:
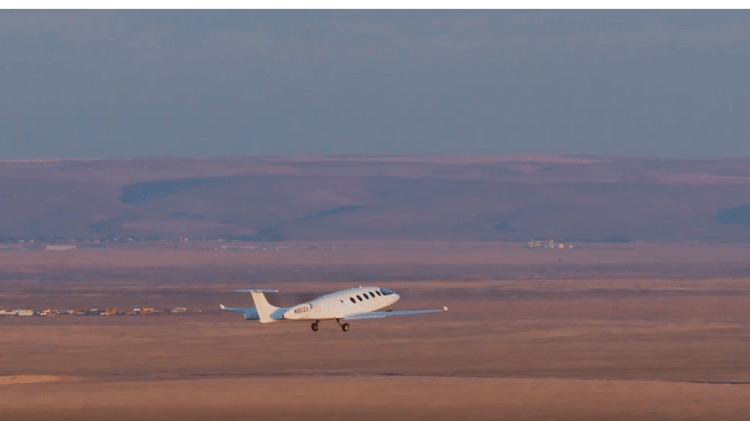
(381, 314)
(250, 313)
(257, 290)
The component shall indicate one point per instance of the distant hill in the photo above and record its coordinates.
(493, 197)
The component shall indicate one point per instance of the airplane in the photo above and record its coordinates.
(349, 304)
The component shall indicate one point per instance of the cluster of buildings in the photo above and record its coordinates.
(23, 312)
(107, 243)
(97, 312)
(86, 242)
(547, 244)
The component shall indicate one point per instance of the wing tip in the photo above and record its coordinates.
(222, 306)
(445, 309)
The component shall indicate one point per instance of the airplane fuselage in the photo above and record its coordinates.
(339, 304)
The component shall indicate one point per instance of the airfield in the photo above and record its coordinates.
(600, 331)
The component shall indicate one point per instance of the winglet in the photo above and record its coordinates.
(445, 308)
(222, 306)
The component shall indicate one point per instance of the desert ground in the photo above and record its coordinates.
(619, 331)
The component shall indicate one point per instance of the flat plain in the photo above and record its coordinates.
(618, 331)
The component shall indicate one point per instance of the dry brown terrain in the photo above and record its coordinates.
(536, 348)
(377, 398)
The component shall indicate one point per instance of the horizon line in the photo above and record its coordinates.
(460, 157)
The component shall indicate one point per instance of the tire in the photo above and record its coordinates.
(345, 327)
(314, 326)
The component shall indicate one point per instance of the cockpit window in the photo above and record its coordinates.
(386, 291)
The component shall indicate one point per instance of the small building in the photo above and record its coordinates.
(50, 312)
(61, 247)
(24, 312)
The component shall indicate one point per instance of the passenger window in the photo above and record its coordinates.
(366, 296)
(377, 292)
(359, 298)
(373, 294)
(353, 300)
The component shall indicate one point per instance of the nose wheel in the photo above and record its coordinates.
(314, 326)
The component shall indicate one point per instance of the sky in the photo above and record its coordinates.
(124, 84)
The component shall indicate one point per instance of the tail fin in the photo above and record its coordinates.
(265, 309)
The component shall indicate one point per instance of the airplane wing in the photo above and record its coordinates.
(249, 313)
(381, 314)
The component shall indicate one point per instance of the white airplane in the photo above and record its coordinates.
(350, 304)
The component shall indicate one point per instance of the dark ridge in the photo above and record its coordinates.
(146, 191)
(502, 226)
(340, 209)
(272, 234)
(275, 233)
(240, 237)
(735, 215)
(108, 227)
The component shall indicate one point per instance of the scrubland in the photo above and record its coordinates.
(621, 332)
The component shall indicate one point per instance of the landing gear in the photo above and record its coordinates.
(314, 326)
(344, 327)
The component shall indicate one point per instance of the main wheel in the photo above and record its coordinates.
(314, 326)
(345, 327)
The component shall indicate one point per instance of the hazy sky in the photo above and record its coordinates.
(121, 84)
